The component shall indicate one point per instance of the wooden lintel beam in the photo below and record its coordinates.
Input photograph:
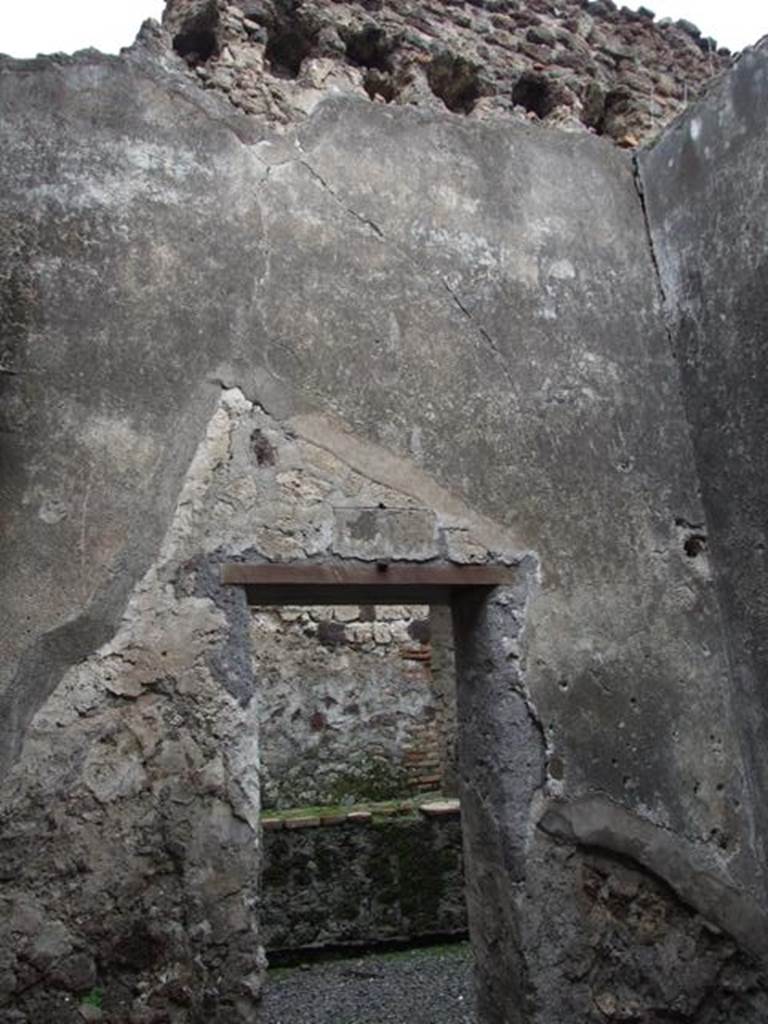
(383, 575)
(397, 583)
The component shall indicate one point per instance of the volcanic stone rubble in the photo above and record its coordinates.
(577, 64)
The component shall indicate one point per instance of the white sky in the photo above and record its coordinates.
(45, 26)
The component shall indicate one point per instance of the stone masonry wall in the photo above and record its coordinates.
(576, 63)
(348, 707)
(359, 883)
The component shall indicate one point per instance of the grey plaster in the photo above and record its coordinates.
(507, 232)
(101, 416)
(501, 768)
(705, 191)
(399, 533)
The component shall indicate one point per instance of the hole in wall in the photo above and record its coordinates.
(196, 46)
(287, 47)
(197, 41)
(369, 48)
(695, 544)
(289, 39)
(693, 537)
(263, 449)
(617, 103)
(378, 84)
(535, 94)
(456, 81)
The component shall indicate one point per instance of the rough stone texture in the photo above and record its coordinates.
(345, 885)
(636, 951)
(704, 186)
(577, 64)
(234, 343)
(130, 823)
(348, 711)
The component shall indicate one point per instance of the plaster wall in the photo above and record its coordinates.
(706, 191)
(456, 321)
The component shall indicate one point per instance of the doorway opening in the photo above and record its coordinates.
(362, 838)
(378, 864)
(357, 704)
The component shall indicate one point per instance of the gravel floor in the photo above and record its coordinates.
(422, 986)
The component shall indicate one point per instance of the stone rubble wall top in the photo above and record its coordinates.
(574, 63)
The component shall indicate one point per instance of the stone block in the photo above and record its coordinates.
(332, 819)
(88, 1012)
(377, 534)
(440, 808)
(272, 824)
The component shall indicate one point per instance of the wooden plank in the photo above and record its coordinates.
(396, 583)
(308, 594)
(382, 575)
